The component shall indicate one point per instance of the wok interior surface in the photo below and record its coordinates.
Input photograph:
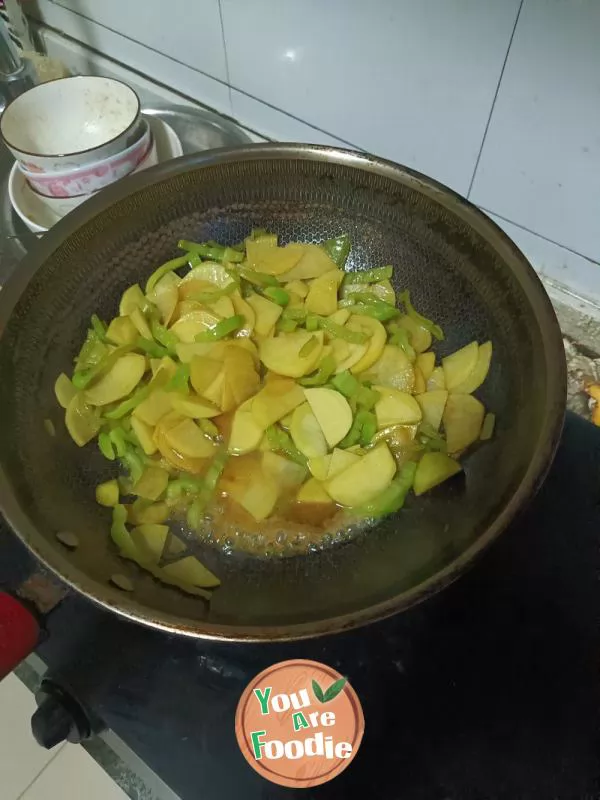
(461, 271)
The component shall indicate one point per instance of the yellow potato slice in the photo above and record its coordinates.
(246, 434)
(306, 432)
(266, 314)
(436, 380)
(339, 461)
(322, 295)
(140, 513)
(396, 408)
(426, 363)
(165, 296)
(319, 467)
(214, 392)
(340, 317)
(241, 376)
(283, 354)
(420, 384)
(433, 405)
(190, 325)
(463, 418)
(150, 539)
(487, 429)
(209, 272)
(144, 434)
(152, 483)
(276, 399)
(140, 322)
(433, 469)
(246, 311)
(203, 372)
(375, 344)
(313, 492)
(480, 371)
(393, 368)
(332, 411)
(314, 263)
(82, 420)
(460, 365)
(187, 438)
(132, 298)
(120, 380)
(154, 407)
(297, 287)
(365, 479)
(122, 331)
(264, 257)
(288, 474)
(193, 407)
(347, 354)
(189, 572)
(195, 466)
(64, 390)
(246, 482)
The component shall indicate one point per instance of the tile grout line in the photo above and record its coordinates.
(229, 86)
(487, 126)
(541, 236)
(41, 772)
(225, 56)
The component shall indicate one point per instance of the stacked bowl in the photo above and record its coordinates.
(72, 137)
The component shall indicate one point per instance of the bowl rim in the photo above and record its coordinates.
(73, 152)
(77, 172)
(13, 177)
(549, 434)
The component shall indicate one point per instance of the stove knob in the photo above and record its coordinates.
(59, 718)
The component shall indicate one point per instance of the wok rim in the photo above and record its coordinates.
(112, 600)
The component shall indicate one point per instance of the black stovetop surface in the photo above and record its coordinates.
(490, 690)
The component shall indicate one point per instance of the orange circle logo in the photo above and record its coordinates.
(299, 723)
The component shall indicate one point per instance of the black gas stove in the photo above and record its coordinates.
(490, 690)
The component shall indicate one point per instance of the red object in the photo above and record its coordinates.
(19, 632)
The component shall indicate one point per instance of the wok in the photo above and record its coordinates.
(462, 271)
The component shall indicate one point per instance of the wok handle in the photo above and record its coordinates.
(19, 633)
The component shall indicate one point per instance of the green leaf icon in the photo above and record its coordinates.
(318, 692)
(334, 690)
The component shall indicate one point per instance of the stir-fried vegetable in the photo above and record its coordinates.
(266, 376)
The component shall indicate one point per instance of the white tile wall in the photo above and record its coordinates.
(540, 165)
(411, 81)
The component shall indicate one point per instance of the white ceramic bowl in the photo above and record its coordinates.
(40, 213)
(70, 122)
(92, 177)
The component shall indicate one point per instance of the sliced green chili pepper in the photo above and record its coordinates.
(151, 348)
(391, 499)
(83, 378)
(277, 295)
(324, 371)
(346, 384)
(431, 439)
(382, 312)
(92, 352)
(209, 486)
(119, 533)
(308, 347)
(341, 332)
(126, 406)
(312, 323)
(367, 299)
(208, 427)
(180, 380)
(368, 428)
(210, 297)
(169, 266)
(211, 251)
(338, 249)
(99, 327)
(164, 336)
(134, 463)
(370, 275)
(280, 440)
(259, 278)
(106, 446)
(430, 326)
(366, 397)
(183, 485)
(119, 441)
(221, 329)
(400, 338)
(286, 325)
(354, 434)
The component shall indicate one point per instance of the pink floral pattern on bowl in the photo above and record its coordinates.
(94, 177)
